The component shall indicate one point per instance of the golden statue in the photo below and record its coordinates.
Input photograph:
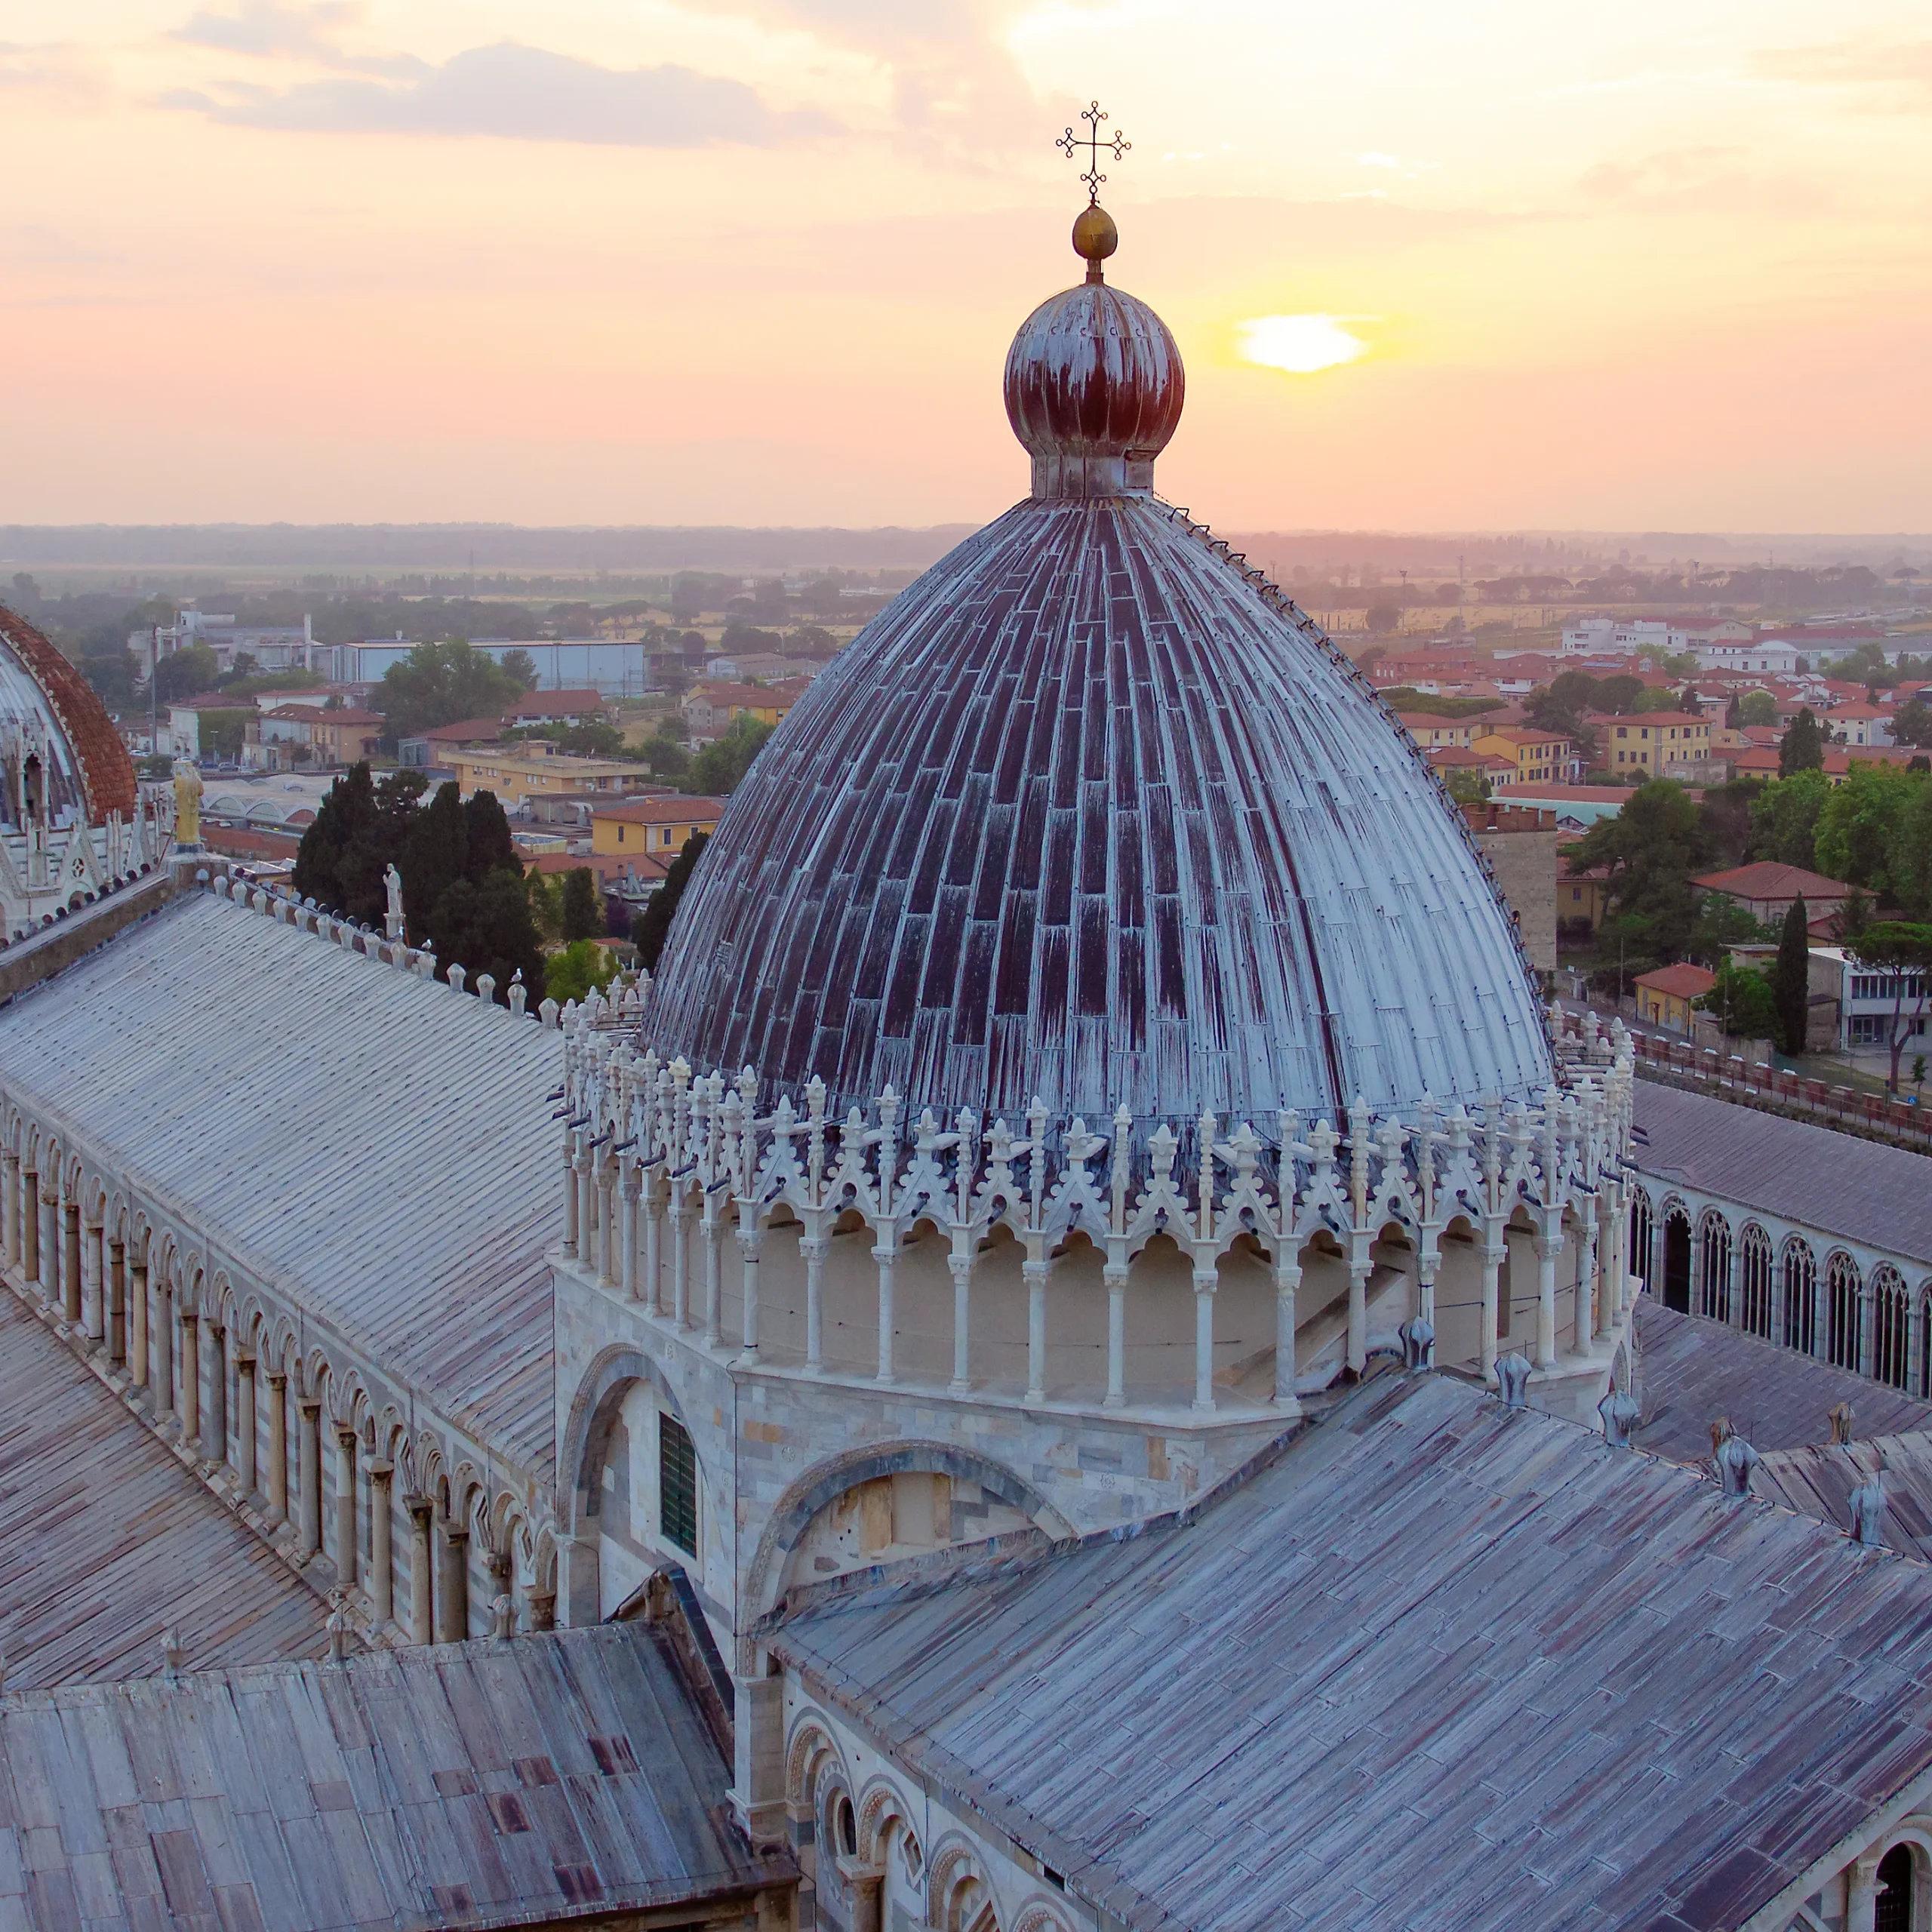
(187, 803)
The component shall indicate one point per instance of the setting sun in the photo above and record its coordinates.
(1300, 344)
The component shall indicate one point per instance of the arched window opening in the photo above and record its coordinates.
(1677, 1260)
(1841, 1311)
(1643, 1226)
(847, 1821)
(1714, 1268)
(1925, 1340)
(1755, 1268)
(1800, 1296)
(1892, 1911)
(677, 1484)
(1891, 1328)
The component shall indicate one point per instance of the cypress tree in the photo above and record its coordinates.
(435, 856)
(1791, 980)
(583, 906)
(1802, 748)
(491, 847)
(652, 927)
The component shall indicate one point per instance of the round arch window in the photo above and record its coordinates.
(1893, 1907)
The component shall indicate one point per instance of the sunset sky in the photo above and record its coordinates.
(1651, 266)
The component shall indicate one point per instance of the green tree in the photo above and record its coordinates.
(1383, 617)
(437, 684)
(186, 673)
(435, 854)
(572, 973)
(652, 927)
(1720, 924)
(1790, 979)
(1651, 848)
(1757, 709)
(1743, 1002)
(488, 845)
(1784, 819)
(583, 906)
(487, 928)
(716, 770)
(1861, 825)
(1724, 818)
(1619, 694)
(1903, 953)
(521, 666)
(1911, 723)
(1802, 747)
(1655, 697)
(345, 820)
(1467, 785)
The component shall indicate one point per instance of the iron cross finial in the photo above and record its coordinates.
(1070, 144)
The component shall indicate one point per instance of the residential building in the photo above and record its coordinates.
(1652, 744)
(1872, 1000)
(1668, 996)
(271, 647)
(1577, 806)
(1772, 655)
(1539, 757)
(434, 746)
(344, 736)
(1521, 846)
(1582, 899)
(710, 710)
(1431, 732)
(539, 707)
(1766, 889)
(1859, 724)
(652, 825)
(1446, 758)
(525, 770)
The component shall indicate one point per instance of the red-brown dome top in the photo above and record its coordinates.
(1094, 382)
(99, 759)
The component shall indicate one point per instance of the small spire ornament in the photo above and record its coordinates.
(1070, 144)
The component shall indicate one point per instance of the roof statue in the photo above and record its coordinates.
(1093, 816)
(187, 805)
(392, 912)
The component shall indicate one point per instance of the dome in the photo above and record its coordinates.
(1092, 815)
(61, 753)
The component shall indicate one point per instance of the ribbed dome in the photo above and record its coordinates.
(51, 720)
(1085, 815)
(1093, 390)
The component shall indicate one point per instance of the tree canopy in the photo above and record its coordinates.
(1790, 979)
(652, 926)
(717, 770)
(1802, 747)
(438, 683)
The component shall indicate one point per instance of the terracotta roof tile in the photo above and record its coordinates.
(106, 771)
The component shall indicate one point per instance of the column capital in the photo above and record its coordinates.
(276, 1378)
(345, 1435)
(310, 1407)
(421, 1508)
(380, 1469)
(244, 1361)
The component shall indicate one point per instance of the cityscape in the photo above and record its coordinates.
(927, 1004)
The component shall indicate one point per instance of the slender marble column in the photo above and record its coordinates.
(216, 1429)
(1034, 1271)
(814, 1248)
(886, 1255)
(10, 1208)
(750, 1240)
(1206, 1280)
(607, 1247)
(961, 1266)
(586, 1214)
(138, 1363)
(278, 1447)
(1493, 1253)
(70, 1265)
(627, 1194)
(570, 1230)
(160, 1347)
(1287, 1285)
(1611, 1268)
(651, 1288)
(382, 1559)
(1583, 1324)
(245, 1422)
(1360, 1267)
(422, 1561)
(345, 1505)
(713, 1286)
(542, 1606)
(30, 1216)
(94, 1282)
(1548, 1247)
(307, 1476)
(680, 1308)
(453, 1586)
(191, 1381)
(117, 1303)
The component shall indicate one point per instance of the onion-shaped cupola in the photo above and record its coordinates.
(1092, 819)
(1094, 381)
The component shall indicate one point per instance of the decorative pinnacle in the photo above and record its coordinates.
(1070, 144)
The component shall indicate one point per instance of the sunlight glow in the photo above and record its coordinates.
(1301, 344)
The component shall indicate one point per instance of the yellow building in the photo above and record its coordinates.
(518, 771)
(653, 826)
(1540, 757)
(1668, 997)
(1651, 741)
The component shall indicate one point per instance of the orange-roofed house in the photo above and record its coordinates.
(1539, 757)
(1767, 889)
(1651, 743)
(710, 711)
(651, 825)
(1430, 731)
(1667, 996)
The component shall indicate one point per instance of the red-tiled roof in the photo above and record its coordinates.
(465, 730)
(107, 773)
(675, 808)
(1682, 981)
(1767, 879)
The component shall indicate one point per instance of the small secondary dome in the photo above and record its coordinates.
(1094, 383)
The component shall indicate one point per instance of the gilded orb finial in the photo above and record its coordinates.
(1095, 238)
